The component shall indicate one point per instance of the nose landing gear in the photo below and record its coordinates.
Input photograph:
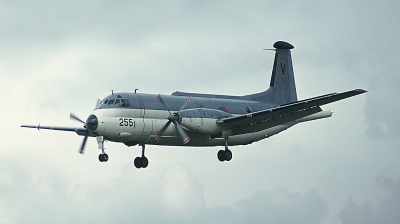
(103, 157)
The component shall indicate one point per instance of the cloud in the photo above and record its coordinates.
(275, 206)
(284, 206)
(173, 196)
(386, 211)
(382, 112)
(58, 57)
(183, 194)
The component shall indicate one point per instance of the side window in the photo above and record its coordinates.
(105, 102)
(110, 102)
(127, 103)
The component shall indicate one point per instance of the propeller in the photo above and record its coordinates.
(76, 118)
(83, 143)
(174, 118)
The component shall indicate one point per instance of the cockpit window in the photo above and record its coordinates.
(119, 102)
(124, 103)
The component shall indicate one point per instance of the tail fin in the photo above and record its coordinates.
(282, 88)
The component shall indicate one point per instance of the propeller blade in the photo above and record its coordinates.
(74, 117)
(161, 132)
(162, 102)
(186, 103)
(83, 143)
(182, 133)
(98, 103)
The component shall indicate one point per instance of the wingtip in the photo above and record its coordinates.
(361, 90)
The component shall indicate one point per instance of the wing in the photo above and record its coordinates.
(79, 131)
(282, 114)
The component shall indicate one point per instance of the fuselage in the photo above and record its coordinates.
(193, 119)
(134, 118)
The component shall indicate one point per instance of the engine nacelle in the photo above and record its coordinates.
(203, 120)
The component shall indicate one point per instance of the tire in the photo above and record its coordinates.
(105, 157)
(221, 155)
(145, 162)
(138, 162)
(228, 155)
(101, 158)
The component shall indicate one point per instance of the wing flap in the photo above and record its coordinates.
(272, 122)
(283, 111)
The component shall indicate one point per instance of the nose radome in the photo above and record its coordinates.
(92, 123)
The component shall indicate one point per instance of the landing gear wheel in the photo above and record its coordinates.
(221, 155)
(141, 162)
(103, 157)
(137, 162)
(145, 162)
(224, 155)
(228, 155)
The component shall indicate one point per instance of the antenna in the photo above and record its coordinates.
(112, 92)
(136, 90)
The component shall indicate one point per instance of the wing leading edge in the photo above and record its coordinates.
(79, 131)
(284, 113)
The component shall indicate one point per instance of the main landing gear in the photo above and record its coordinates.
(141, 162)
(225, 155)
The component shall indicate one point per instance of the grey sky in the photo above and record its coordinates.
(60, 57)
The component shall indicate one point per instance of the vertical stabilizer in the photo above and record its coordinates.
(282, 88)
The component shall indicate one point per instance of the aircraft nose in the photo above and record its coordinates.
(92, 123)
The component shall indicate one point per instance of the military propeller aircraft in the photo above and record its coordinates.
(193, 119)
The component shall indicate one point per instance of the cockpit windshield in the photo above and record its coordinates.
(119, 101)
